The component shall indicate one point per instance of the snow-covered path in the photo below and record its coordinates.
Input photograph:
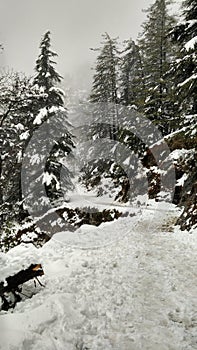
(138, 292)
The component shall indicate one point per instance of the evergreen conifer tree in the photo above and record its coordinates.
(105, 81)
(105, 88)
(131, 76)
(157, 54)
(51, 104)
(185, 67)
(47, 77)
(15, 124)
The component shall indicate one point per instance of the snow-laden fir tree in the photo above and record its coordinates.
(105, 79)
(104, 99)
(105, 87)
(15, 123)
(131, 76)
(157, 53)
(185, 67)
(47, 77)
(51, 105)
(185, 71)
(131, 87)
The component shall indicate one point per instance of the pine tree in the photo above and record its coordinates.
(46, 76)
(105, 81)
(185, 72)
(185, 67)
(157, 54)
(104, 99)
(131, 76)
(105, 87)
(51, 104)
(15, 120)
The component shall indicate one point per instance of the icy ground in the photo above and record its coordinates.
(135, 291)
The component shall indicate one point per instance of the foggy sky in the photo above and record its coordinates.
(76, 26)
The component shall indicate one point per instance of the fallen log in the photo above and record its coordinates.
(13, 284)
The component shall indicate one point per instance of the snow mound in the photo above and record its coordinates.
(136, 293)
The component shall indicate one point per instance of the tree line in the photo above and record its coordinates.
(156, 75)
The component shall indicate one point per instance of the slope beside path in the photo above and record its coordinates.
(138, 292)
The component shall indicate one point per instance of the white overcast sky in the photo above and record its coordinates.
(76, 25)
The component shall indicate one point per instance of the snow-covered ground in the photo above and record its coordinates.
(135, 290)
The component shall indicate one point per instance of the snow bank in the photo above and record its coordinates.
(138, 292)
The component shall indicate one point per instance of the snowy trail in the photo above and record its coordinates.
(136, 293)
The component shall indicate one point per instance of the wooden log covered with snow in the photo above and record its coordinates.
(12, 284)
